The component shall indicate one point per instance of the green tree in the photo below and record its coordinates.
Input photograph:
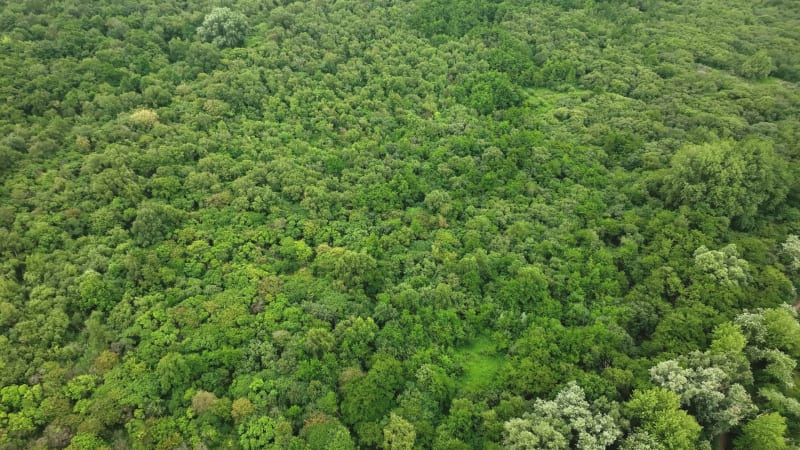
(708, 391)
(657, 413)
(568, 421)
(173, 371)
(398, 434)
(724, 266)
(95, 293)
(733, 179)
(257, 433)
(489, 91)
(641, 440)
(153, 222)
(766, 431)
(368, 399)
(224, 28)
(757, 66)
(86, 440)
(790, 251)
(241, 408)
(773, 328)
(319, 341)
(773, 344)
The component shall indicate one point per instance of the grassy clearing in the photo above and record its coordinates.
(481, 364)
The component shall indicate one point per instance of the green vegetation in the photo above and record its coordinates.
(481, 365)
(411, 224)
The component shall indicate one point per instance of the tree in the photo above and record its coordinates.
(568, 421)
(257, 433)
(203, 401)
(766, 431)
(241, 408)
(733, 179)
(324, 432)
(438, 201)
(319, 341)
(153, 222)
(656, 412)
(398, 434)
(707, 391)
(355, 337)
(641, 440)
(95, 293)
(529, 291)
(783, 330)
(85, 440)
(790, 251)
(724, 265)
(173, 371)
(757, 66)
(773, 344)
(489, 91)
(524, 434)
(224, 28)
(783, 404)
(144, 119)
(368, 399)
(776, 328)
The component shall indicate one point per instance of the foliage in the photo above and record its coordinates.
(657, 413)
(790, 249)
(724, 265)
(426, 224)
(223, 28)
(733, 180)
(765, 431)
(568, 421)
(757, 66)
(398, 434)
(717, 403)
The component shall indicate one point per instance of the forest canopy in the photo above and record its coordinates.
(410, 224)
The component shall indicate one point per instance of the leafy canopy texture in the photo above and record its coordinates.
(765, 431)
(659, 421)
(408, 225)
(732, 179)
(568, 421)
(723, 265)
(224, 28)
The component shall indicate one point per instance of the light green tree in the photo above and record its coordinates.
(657, 413)
(722, 265)
(757, 66)
(526, 433)
(399, 434)
(790, 251)
(641, 440)
(257, 433)
(765, 432)
(734, 179)
(224, 28)
(707, 390)
(568, 421)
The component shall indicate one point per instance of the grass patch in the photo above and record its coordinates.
(481, 363)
